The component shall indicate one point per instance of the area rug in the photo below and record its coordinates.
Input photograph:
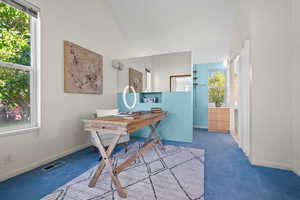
(174, 173)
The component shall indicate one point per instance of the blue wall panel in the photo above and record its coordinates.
(200, 96)
(178, 126)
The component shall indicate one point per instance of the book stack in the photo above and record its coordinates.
(127, 115)
(156, 110)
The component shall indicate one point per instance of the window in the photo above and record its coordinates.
(180, 83)
(148, 80)
(217, 88)
(18, 66)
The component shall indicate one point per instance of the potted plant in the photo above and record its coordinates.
(216, 92)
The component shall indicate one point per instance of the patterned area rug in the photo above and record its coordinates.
(176, 173)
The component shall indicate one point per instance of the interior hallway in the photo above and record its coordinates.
(228, 174)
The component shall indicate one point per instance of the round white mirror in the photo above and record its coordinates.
(130, 107)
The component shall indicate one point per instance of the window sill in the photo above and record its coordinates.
(18, 131)
(220, 107)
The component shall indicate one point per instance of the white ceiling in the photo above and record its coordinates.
(161, 26)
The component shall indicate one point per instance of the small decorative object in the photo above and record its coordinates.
(150, 99)
(156, 110)
(130, 107)
(136, 80)
(83, 70)
(127, 115)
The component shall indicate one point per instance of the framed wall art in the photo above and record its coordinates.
(136, 80)
(83, 70)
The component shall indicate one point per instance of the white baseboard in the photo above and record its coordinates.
(271, 165)
(42, 162)
(203, 127)
(297, 171)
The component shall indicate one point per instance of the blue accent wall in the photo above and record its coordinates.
(178, 126)
(200, 96)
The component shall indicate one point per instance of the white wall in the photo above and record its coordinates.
(166, 65)
(270, 35)
(273, 27)
(91, 26)
(206, 27)
(296, 85)
(161, 66)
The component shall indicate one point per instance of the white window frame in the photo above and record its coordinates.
(225, 87)
(34, 70)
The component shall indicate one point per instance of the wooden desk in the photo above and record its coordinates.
(120, 126)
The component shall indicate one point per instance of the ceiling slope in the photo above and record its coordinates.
(162, 26)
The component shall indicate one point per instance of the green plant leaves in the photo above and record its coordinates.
(14, 48)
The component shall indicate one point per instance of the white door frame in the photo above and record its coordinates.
(244, 97)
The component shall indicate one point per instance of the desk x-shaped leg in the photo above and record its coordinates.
(106, 160)
(152, 140)
(153, 134)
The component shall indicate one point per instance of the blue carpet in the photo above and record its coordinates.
(228, 174)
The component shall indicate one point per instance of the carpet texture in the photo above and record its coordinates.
(176, 173)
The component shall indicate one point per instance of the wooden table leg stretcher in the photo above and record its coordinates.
(154, 134)
(152, 140)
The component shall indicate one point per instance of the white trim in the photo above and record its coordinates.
(38, 70)
(15, 66)
(32, 73)
(19, 131)
(34, 70)
(217, 87)
(243, 65)
(34, 76)
(297, 171)
(271, 164)
(236, 138)
(23, 6)
(42, 162)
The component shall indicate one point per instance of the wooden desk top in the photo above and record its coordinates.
(119, 124)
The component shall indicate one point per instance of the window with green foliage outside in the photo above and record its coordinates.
(16, 69)
(217, 88)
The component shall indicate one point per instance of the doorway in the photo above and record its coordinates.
(224, 107)
(209, 91)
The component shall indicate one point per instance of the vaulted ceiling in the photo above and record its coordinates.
(161, 26)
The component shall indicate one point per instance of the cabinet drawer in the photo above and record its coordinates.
(219, 114)
(214, 125)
